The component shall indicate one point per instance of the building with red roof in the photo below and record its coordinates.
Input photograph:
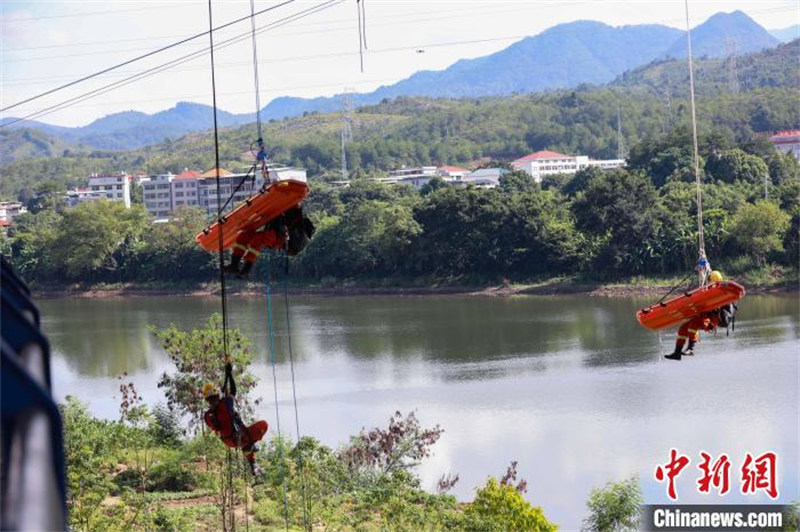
(787, 141)
(542, 163)
(451, 172)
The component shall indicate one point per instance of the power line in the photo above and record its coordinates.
(184, 59)
(149, 54)
(327, 24)
(328, 28)
(40, 80)
(155, 70)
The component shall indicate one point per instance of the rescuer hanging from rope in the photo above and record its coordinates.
(291, 231)
(707, 321)
(223, 419)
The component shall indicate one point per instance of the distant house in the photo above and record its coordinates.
(787, 141)
(10, 210)
(417, 176)
(483, 178)
(451, 173)
(82, 194)
(542, 163)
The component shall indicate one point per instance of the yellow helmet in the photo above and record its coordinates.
(209, 389)
(715, 276)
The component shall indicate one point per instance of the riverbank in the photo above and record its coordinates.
(773, 281)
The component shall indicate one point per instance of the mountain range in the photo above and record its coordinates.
(564, 56)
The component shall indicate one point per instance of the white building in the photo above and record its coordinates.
(418, 176)
(79, 195)
(542, 163)
(10, 210)
(183, 189)
(451, 173)
(483, 178)
(164, 193)
(787, 142)
(115, 187)
(157, 195)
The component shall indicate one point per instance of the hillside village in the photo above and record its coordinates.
(163, 193)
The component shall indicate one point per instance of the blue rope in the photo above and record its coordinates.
(294, 390)
(271, 329)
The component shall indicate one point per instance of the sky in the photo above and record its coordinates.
(306, 48)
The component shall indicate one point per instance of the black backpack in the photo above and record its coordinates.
(300, 232)
(727, 316)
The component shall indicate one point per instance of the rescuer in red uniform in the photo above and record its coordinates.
(222, 418)
(707, 321)
(291, 231)
(691, 331)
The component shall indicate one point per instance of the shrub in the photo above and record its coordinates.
(499, 508)
(614, 507)
(172, 476)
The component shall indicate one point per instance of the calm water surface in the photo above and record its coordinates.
(571, 387)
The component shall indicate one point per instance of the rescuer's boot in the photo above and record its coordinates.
(675, 355)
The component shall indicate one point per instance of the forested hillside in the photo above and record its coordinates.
(412, 131)
(776, 67)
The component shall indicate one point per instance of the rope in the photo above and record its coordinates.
(255, 65)
(219, 192)
(229, 520)
(700, 237)
(271, 330)
(674, 287)
(294, 391)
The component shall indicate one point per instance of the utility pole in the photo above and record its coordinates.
(347, 128)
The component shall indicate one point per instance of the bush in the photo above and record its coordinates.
(165, 427)
(172, 476)
(614, 507)
(500, 508)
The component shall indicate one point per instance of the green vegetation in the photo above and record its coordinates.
(141, 473)
(615, 507)
(597, 225)
(413, 131)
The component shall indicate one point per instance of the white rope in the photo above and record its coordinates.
(700, 237)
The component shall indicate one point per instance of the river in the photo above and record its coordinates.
(570, 386)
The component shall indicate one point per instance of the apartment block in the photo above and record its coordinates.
(114, 187)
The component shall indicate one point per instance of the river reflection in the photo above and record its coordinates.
(570, 386)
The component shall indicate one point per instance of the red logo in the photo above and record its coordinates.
(757, 474)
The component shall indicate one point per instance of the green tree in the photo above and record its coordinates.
(169, 251)
(34, 240)
(199, 357)
(500, 508)
(615, 507)
(757, 230)
(736, 165)
(99, 237)
(517, 182)
(88, 443)
(619, 209)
